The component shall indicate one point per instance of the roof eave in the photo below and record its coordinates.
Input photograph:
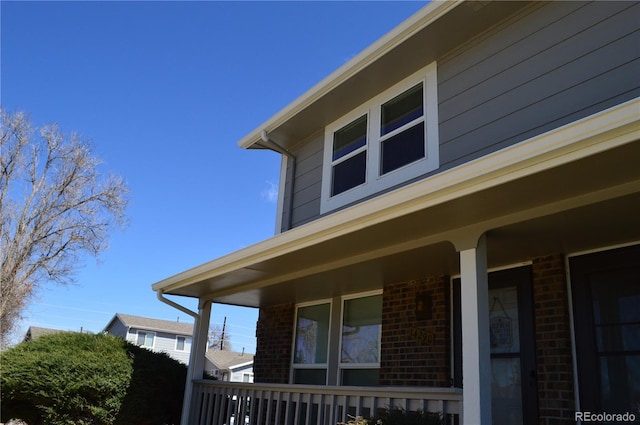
(424, 17)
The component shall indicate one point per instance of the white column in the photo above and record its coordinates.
(197, 355)
(476, 361)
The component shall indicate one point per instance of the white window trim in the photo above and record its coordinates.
(295, 365)
(349, 366)
(186, 340)
(146, 333)
(373, 181)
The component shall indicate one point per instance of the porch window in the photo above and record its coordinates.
(388, 140)
(146, 339)
(360, 341)
(311, 344)
(338, 341)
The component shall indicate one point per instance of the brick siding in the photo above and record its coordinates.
(274, 334)
(553, 341)
(415, 351)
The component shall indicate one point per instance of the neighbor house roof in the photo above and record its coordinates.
(228, 359)
(35, 332)
(150, 324)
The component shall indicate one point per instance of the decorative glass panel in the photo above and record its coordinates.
(350, 137)
(401, 110)
(349, 173)
(312, 334)
(402, 149)
(361, 326)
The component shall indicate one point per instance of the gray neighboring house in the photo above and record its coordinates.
(173, 338)
(229, 365)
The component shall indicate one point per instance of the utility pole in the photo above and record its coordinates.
(224, 325)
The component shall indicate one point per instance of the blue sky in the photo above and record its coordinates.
(164, 90)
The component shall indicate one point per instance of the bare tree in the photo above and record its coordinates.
(219, 339)
(54, 206)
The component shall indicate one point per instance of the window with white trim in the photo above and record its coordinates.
(145, 339)
(311, 344)
(348, 356)
(182, 343)
(384, 142)
(360, 341)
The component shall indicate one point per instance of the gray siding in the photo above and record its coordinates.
(308, 179)
(164, 343)
(559, 63)
(549, 65)
(118, 328)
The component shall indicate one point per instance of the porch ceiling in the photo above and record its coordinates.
(589, 202)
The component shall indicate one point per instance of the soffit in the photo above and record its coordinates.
(562, 209)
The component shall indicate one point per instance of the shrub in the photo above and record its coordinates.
(398, 416)
(72, 378)
(65, 378)
(156, 391)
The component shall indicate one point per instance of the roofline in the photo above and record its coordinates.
(416, 22)
(147, 328)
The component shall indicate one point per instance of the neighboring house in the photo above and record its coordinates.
(35, 332)
(229, 365)
(173, 338)
(458, 227)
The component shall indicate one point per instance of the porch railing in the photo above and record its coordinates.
(236, 403)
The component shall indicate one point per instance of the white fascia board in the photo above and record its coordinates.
(596, 133)
(416, 22)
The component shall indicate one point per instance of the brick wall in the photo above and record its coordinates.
(416, 351)
(274, 334)
(553, 341)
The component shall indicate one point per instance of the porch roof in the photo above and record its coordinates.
(571, 189)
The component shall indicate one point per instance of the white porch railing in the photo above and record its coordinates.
(236, 403)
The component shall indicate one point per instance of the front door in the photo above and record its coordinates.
(513, 369)
(606, 305)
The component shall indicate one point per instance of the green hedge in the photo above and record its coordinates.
(72, 378)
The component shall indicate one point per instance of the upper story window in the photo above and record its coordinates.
(182, 343)
(146, 339)
(389, 140)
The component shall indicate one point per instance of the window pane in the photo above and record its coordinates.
(361, 377)
(350, 137)
(310, 376)
(402, 110)
(504, 325)
(149, 340)
(403, 149)
(362, 320)
(180, 343)
(312, 334)
(349, 173)
(506, 397)
(141, 337)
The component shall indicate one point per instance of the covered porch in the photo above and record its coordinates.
(573, 189)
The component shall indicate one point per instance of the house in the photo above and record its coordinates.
(229, 365)
(173, 338)
(459, 228)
